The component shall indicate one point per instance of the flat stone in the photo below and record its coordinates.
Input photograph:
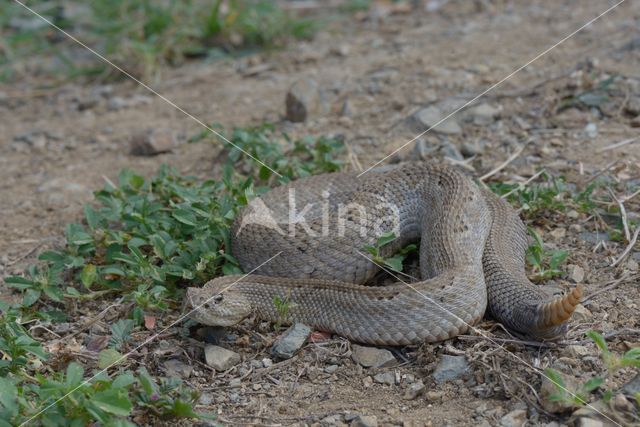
(588, 422)
(594, 237)
(177, 368)
(414, 390)
(388, 378)
(372, 357)
(516, 418)
(482, 114)
(303, 100)
(576, 273)
(429, 116)
(474, 148)
(291, 341)
(152, 142)
(632, 387)
(581, 313)
(331, 369)
(365, 421)
(450, 368)
(220, 358)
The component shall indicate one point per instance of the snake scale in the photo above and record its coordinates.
(472, 260)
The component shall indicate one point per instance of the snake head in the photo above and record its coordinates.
(210, 306)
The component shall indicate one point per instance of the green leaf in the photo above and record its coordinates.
(120, 332)
(599, 340)
(19, 282)
(185, 217)
(8, 397)
(395, 262)
(183, 409)
(31, 297)
(592, 384)
(74, 375)
(108, 357)
(386, 238)
(89, 275)
(136, 182)
(123, 380)
(113, 401)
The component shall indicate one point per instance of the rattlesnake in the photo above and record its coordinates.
(471, 260)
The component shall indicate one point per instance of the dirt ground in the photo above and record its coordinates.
(59, 144)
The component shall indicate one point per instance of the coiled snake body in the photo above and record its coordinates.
(471, 259)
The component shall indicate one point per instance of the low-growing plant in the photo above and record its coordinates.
(394, 262)
(545, 262)
(283, 307)
(612, 363)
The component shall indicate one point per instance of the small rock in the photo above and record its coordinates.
(332, 420)
(482, 115)
(367, 381)
(235, 382)
(549, 389)
(558, 233)
(372, 357)
(429, 116)
(388, 378)
(291, 341)
(588, 422)
(632, 387)
(450, 368)
(469, 149)
(451, 151)
(576, 351)
(434, 396)
(632, 264)
(331, 369)
(303, 100)
(591, 129)
(365, 421)
(633, 106)
(176, 368)
(594, 237)
(414, 390)
(573, 214)
(576, 273)
(220, 358)
(266, 362)
(515, 418)
(581, 313)
(256, 386)
(152, 142)
(621, 403)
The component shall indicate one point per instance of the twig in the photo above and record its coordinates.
(630, 246)
(506, 162)
(606, 168)
(522, 185)
(619, 144)
(623, 215)
(627, 198)
(511, 341)
(608, 287)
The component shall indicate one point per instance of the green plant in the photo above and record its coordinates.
(545, 263)
(612, 363)
(17, 348)
(379, 253)
(283, 306)
(535, 198)
(66, 399)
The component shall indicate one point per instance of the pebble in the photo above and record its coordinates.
(435, 396)
(621, 403)
(576, 273)
(176, 368)
(632, 264)
(594, 237)
(632, 387)
(303, 100)
(633, 106)
(291, 341)
(331, 369)
(365, 421)
(482, 115)
(581, 313)
(220, 358)
(266, 362)
(588, 422)
(451, 151)
(152, 142)
(591, 129)
(388, 378)
(573, 214)
(549, 389)
(469, 149)
(516, 418)
(451, 368)
(558, 233)
(429, 116)
(414, 390)
(372, 357)
(118, 102)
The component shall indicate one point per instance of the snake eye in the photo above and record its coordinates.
(218, 298)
